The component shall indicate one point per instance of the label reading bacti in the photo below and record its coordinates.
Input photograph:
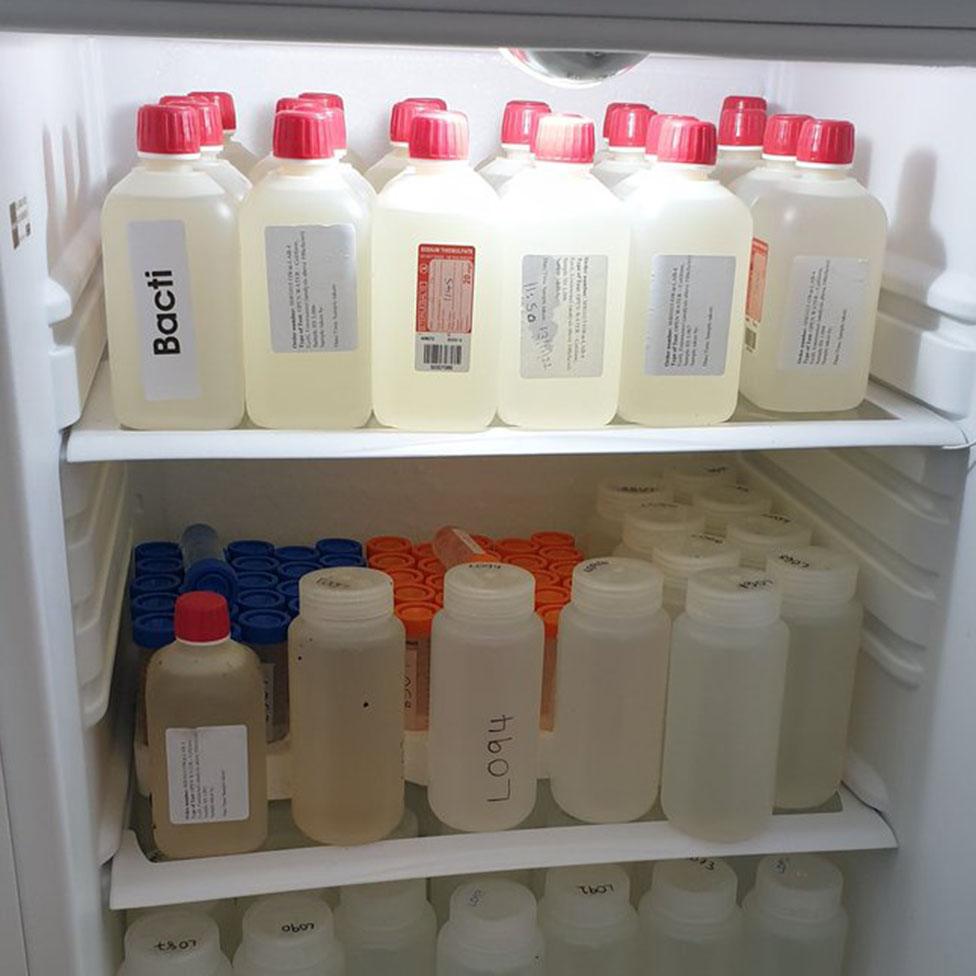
(445, 308)
(756, 291)
(207, 774)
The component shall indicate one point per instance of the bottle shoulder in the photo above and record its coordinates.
(143, 183)
(533, 189)
(460, 191)
(295, 200)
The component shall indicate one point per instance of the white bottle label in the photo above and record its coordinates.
(823, 323)
(688, 315)
(445, 308)
(161, 293)
(312, 288)
(564, 311)
(207, 774)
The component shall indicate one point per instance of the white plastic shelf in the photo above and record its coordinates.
(884, 419)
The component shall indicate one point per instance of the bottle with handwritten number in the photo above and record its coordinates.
(174, 941)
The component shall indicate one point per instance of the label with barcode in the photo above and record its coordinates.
(756, 291)
(445, 308)
(438, 351)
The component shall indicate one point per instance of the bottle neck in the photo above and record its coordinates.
(563, 169)
(823, 172)
(434, 166)
(740, 151)
(209, 154)
(625, 154)
(163, 163)
(516, 151)
(306, 167)
(684, 171)
(784, 163)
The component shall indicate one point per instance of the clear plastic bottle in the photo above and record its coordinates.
(305, 262)
(564, 274)
(485, 687)
(625, 129)
(723, 504)
(680, 558)
(435, 280)
(814, 282)
(345, 669)
(266, 633)
(824, 618)
(172, 294)
(205, 719)
(588, 923)
(291, 933)
(611, 680)
(778, 158)
(178, 942)
(759, 536)
(614, 498)
(387, 929)
(686, 287)
(492, 931)
(740, 142)
(401, 119)
(333, 102)
(222, 910)
(417, 619)
(519, 123)
(652, 524)
(690, 923)
(237, 154)
(687, 478)
(794, 920)
(639, 177)
(725, 699)
(269, 163)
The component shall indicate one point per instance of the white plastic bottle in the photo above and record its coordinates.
(690, 923)
(286, 104)
(237, 154)
(345, 674)
(686, 288)
(614, 498)
(435, 281)
(824, 618)
(492, 931)
(639, 177)
(222, 910)
(354, 178)
(794, 920)
(814, 282)
(172, 284)
(687, 478)
(740, 142)
(588, 923)
(401, 119)
(778, 158)
(564, 270)
(723, 504)
(725, 698)
(332, 101)
(387, 929)
(652, 524)
(486, 651)
(305, 268)
(611, 681)
(519, 122)
(759, 536)
(681, 557)
(178, 942)
(625, 128)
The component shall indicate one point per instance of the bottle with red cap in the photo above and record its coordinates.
(564, 269)
(435, 283)
(401, 119)
(305, 269)
(625, 187)
(172, 292)
(206, 724)
(234, 152)
(740, 141)
(343, 152)
(626, 133)
(814, 282)
(779, 158)
(686, 291)
(519, 123)
(286, 103)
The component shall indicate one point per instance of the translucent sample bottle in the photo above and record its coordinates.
(652, 524)
(680, 558)
(239, 155)
(815, 279)
(492, 931)
(778, 158)
(519, 122)
(289, 934)
(588, 922)
(723, 504)
(794, 920)
(759, 536)
(345, 668)
(150, 632)
(205, 719)
(172, 293)
(287, 104)
(640, 177)
(397, 159)
(611, 680)
(387, 929)
(435, 281)
(614, 498)
(740, 142)
(687, 478)
(485, 687)
(725, 699)
(305, 262)
(417, 619)
(824, 619)
(222, 910)
(333, 102)
(266, 633)
(686, 287)
(689, 920)
(625, 128)
(564, 271)
(204, 562)
(178, 942)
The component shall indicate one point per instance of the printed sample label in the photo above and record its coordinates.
(823, 324)
(687, 332)
(208, 774)
(756, 291)
(445, 305)
(164, 310)
(564, 311)
(312, 288)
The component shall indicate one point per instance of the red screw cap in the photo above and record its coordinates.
(782, 133)
(301, 135)
(228, 113)
(627, 125)
(565, 138)
(743, 101)
(608, 112)
(829, 141)
(439, 135)
(687, 141)
(200, 617)
(403, 113)
(288, 104)
(328, 99)
(168, 130)
(211, 131)
(336, 119)
(520, 120)
(741, 127)
(654, 127)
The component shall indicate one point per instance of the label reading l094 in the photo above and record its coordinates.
(445, 307)
(207, 774)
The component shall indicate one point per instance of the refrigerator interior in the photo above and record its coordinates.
(889, 483)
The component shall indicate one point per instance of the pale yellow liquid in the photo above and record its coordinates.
(618, 165)
(511, 160)
(239, 156)
(761, 179)
(734, 162)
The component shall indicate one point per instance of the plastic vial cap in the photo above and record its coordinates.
(439, 135)
(335, 119)
(297, 570)
(302, 135)
(729, 501)
(153, 630)
(286, 932)
(736, 597)
(168, 130)
(742, 127)
(552, 538)
(565, 138)
(692, 476)
(328, 99)
(608, 112)
(265, 626)
(693, 890)
(249, 547)
(257, 580)
(589, 896)
(825, 142)
(173, 942)
(416, 618)
(288, 589)
(288, 104)
(264, 599)
(626, 124)
(228, 112)
(814, 574)
(519, 121)
(346, 593)
(654, 126)
(679, 558)
(211, 131)
(213, 575)
(330, 562)
(803, 887)
(386, 907)
(402, 115)
(617, 586)
(166, 583)
(148, 603)
(295, 554)
(157, 549)
(781, 135)
(339, 547)
(201, 617)
(687, 141)
(488, 590)
(294, 607)
(758, 536)
(494, 914)
(743, 101)
(650, 523)
(163, 566)
(615, 497)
